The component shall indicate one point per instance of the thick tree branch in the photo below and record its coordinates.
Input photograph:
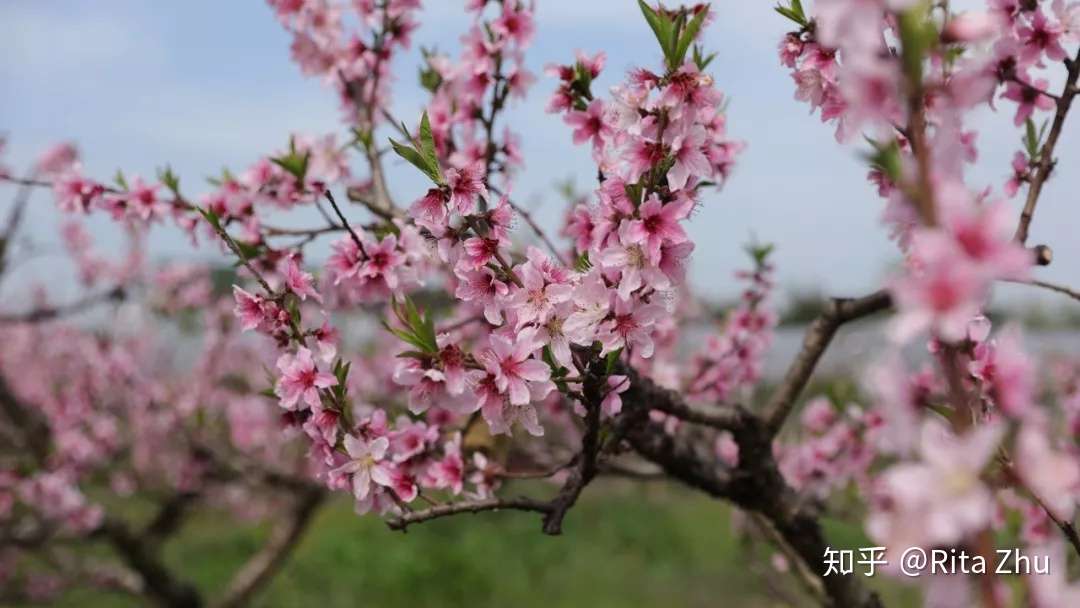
(1046, 153)
(159, 582)
(818, 336)
(402, 522)
(585, 470)
(262, 566)
(170, 516)
(755, 485)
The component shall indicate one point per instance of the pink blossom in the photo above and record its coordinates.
(970, 27)
(382, 261)
(250, 309)
(58, 159)
(590, 125)
(449, 472)
(1052, 476)
(300, 380)
(658, 224)
(690, 160)
(141, 199)
(941, 296)
(1021, 174)
(1028, 98)
(1041, 36)
(939, 499)
(484, 289)
(366, 465)
(466, 184)
(612, 402)
(536, 299)
(299, 282)
(1006, 371)
(516, 374)
(631, 327)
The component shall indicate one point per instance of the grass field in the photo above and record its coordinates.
(622, 547)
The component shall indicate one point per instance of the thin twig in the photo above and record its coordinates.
(116, 294)
(1046, 153)
(527, 216)
(1072, 293)
(345, 222)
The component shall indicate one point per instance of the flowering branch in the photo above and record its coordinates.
(1046, 161)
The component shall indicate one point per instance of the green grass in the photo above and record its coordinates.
(622, 547)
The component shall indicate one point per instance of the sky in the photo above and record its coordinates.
(206, 84)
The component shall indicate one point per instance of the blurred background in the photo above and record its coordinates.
(205, 84)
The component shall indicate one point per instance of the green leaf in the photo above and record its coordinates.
(419, 330)
(886, 158)
(794, 12)
(120, 181)
(759, 252)
(294, 163)
(688, 36)
(610, 361)
(364, 137)
(1031, 140)
(662, 27)
(700, 60)
(415, 158)
(582, 263)
(211, 218)
(170, 180)
(427, 147)
(292, 306)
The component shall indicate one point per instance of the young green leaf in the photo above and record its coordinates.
(662, 27)
(689, 34)
(611, 360)
(582, 263)
(211, 218)
(794, 12)
(1031, 140)
(415, 158)
(170, 180)
(427, 147)
(294, 163)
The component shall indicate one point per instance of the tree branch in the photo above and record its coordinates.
(1046, 153)
(262, 566)
(1072, 293)
(116, 294)
(402, 522)
(755, 485)
(818, 336)
(585, 471)
(170, 516)
(158, 582)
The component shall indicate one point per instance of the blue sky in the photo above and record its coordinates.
(203, 84)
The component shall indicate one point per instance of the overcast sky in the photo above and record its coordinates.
(203, 84)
